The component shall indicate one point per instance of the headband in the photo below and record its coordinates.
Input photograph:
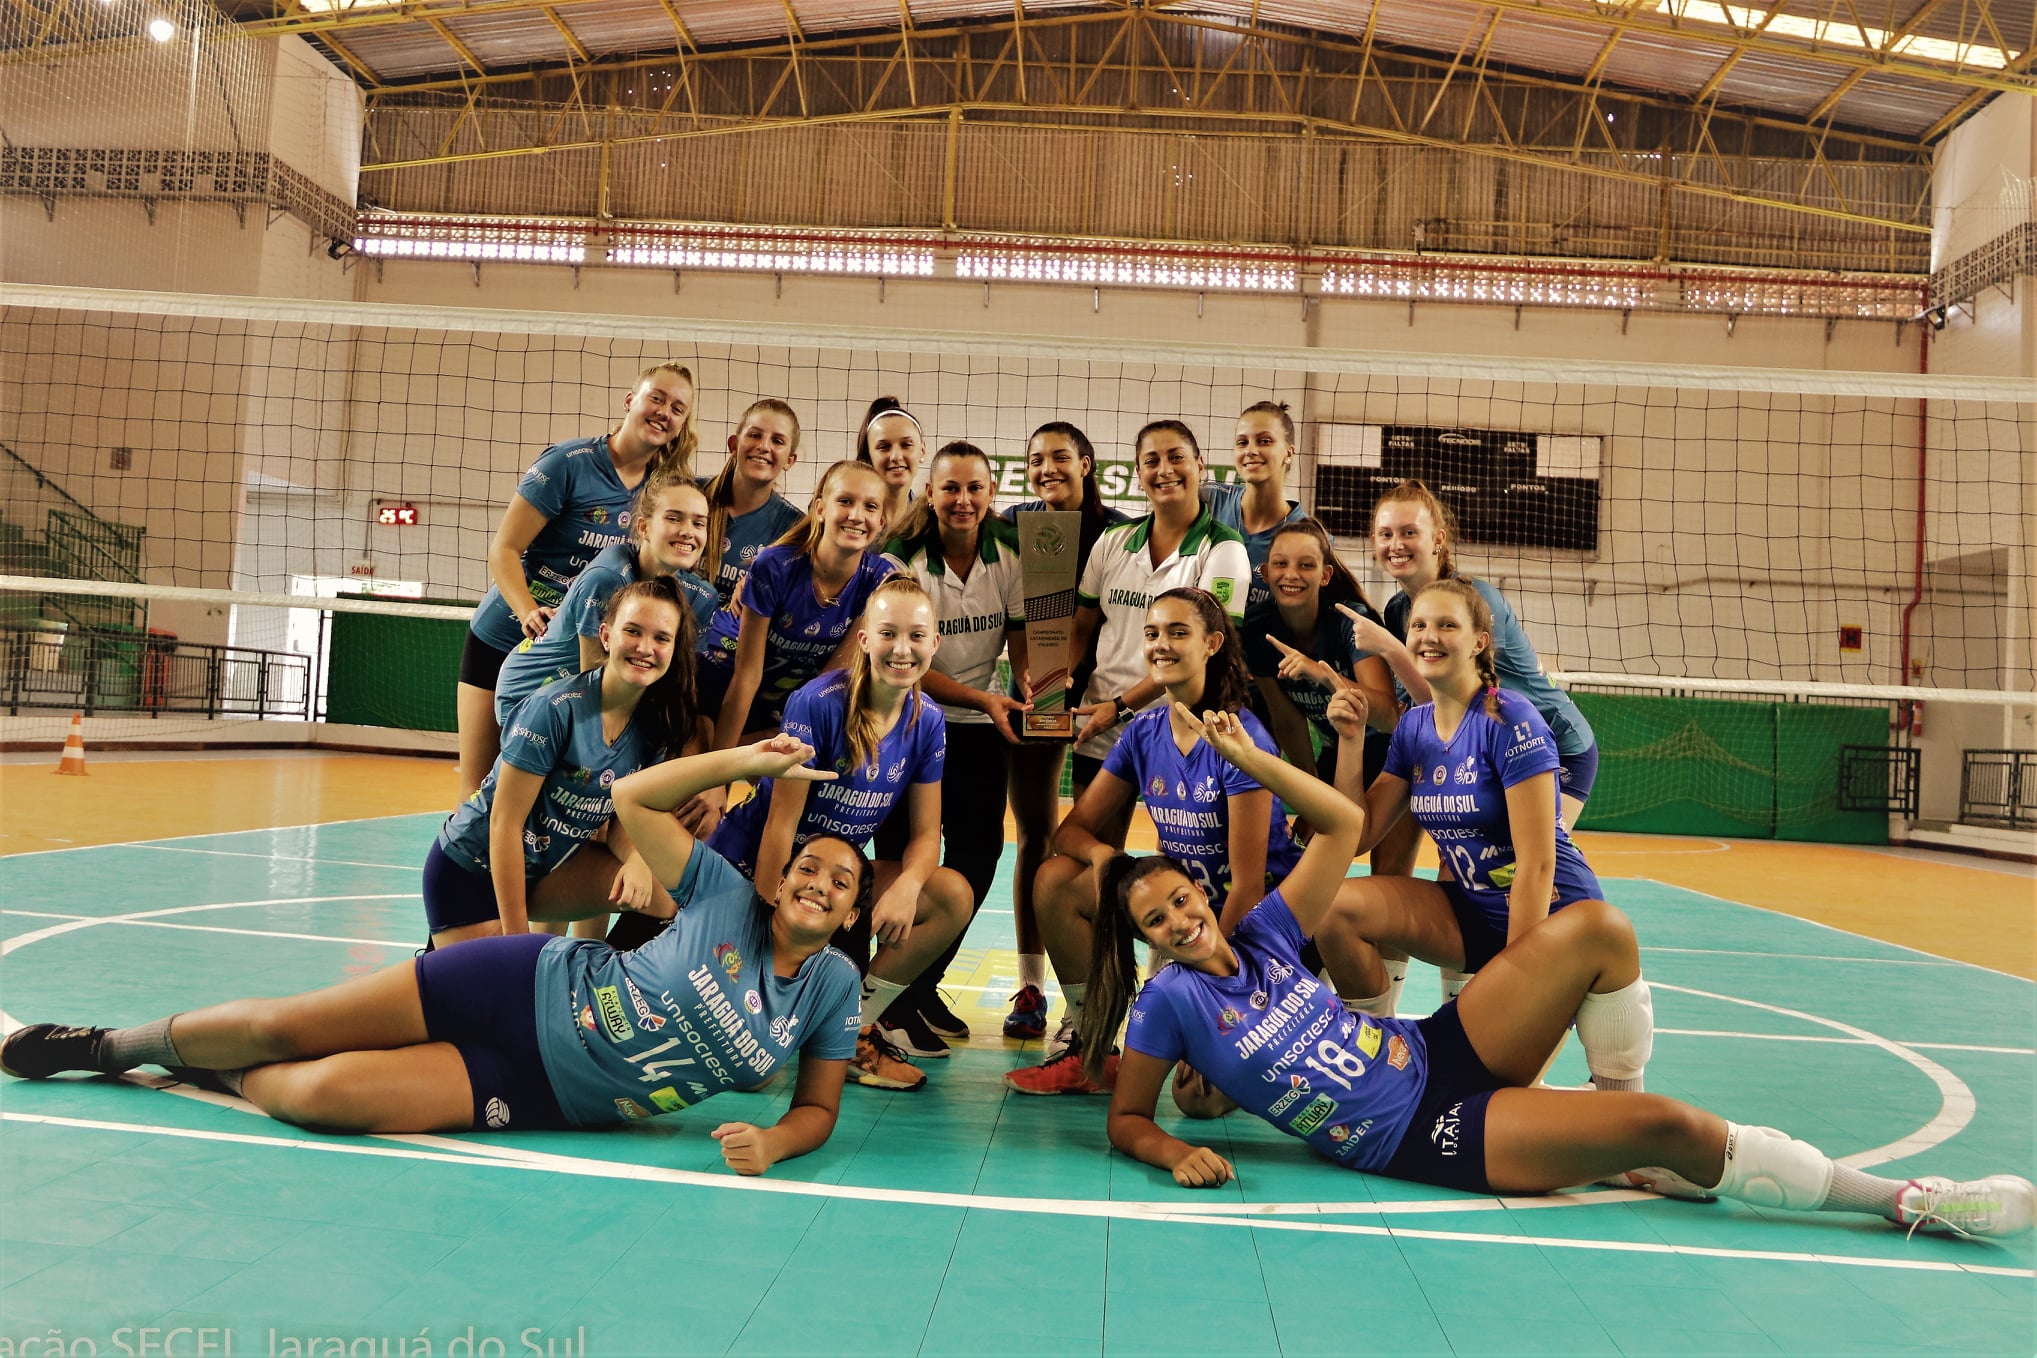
(887, 414)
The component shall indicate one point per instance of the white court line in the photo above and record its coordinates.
(221, 834)
(1956, 1102)
(1843, 1041)
(420, 1148)
(1925, 961)
(222, 929)
(1828, 928)
(269, 857)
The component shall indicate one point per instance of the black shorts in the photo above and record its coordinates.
(711, 686)
(1375, 758)
(1482, 942)
(481, 996)
(1445, 1139)
(480, 663)
(1083, 772)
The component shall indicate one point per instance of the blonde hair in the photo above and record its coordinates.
(806, 536)
(721, 487)
(1481, 621)
(860, 720)
(678, 450)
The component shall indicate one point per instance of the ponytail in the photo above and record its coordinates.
(859, 720)
(1113, 970)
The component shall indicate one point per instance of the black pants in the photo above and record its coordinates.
(972, 823)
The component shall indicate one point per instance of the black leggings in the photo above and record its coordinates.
(972, 821)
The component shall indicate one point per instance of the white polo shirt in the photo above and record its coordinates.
(1122, 580)
(973, 613)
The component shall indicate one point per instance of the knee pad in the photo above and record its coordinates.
(1770, 1169)
(1617, 1031)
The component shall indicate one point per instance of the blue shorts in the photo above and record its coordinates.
(456, 896)
(1445, 1139)
(1575, 773)
(1482, 942)
(481, 996)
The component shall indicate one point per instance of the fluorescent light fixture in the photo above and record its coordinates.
(1835, 33)
(162, 30)
(344, 6)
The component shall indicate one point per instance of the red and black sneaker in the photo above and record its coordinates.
(1063, 1075)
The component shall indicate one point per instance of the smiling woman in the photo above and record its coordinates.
(533, 1032)
(521, 848)
(573, 502)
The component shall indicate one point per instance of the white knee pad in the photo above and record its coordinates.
(1617, 1031)
(1770, 1169)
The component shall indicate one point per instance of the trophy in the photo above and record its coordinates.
(1048, 542)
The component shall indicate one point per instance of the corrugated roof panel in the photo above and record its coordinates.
(1896, 104)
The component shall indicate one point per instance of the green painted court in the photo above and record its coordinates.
(962, 1219)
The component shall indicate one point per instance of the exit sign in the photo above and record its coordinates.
(396, 516)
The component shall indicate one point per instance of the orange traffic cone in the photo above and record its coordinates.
(74, 747)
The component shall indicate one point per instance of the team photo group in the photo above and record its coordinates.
(737, 775)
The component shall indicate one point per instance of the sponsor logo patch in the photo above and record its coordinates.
(633, 1110)
(1313, 1114)
(1158, 787)
(587, 1017)
(1397, 1052)
(1258, 999)
(1368, 1039)
(1228, 1018)
(1221, 587)
(731, 961)
(753, 1002)
(667, 1099)
(613, 1020)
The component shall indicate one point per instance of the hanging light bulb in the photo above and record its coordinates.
(162, 30)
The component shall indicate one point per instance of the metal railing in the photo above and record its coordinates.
(1998, 787)
(97, 671)
(47, 531)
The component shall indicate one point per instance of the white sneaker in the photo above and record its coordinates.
(1663, 1182)
(1998, 1206)
(1063, 1035)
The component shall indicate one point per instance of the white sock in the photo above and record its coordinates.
(1617, 1030)
(1453, 981)
(1396, 977)
(878, 994)
(1378, 1006)
(1032, 970)
(1771, 1169)
(1071, 996)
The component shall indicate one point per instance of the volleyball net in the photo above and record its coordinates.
(229, 518)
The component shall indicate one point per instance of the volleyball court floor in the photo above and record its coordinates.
(964, 1219)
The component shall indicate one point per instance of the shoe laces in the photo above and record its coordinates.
(885, 1046)
(1938, 1201)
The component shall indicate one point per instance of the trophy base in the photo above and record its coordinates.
(1048, 726)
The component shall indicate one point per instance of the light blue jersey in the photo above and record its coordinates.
(538, 661)
(586, 508)
(748, 534)
(1226, 504)
(556, 735)
(1519, 668)
(1188, 797)
(914, 750)
(1457, 793)
(695, 1011)
(1279, 1042)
